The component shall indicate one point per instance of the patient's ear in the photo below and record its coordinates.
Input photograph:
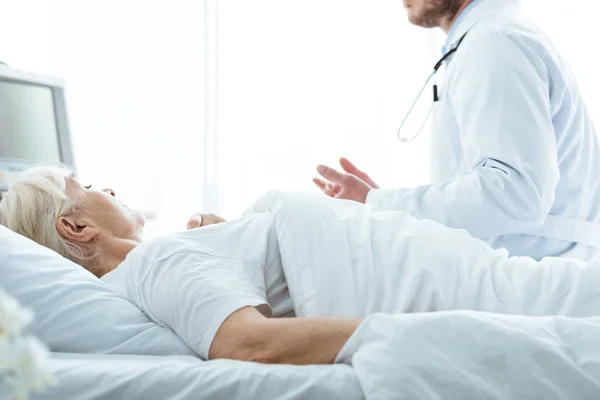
(76, 231)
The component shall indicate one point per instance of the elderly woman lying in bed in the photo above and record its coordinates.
(224, 288)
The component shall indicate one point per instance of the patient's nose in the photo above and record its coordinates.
(109, 191)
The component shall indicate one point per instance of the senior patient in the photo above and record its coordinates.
(230, 290)
(219, 286)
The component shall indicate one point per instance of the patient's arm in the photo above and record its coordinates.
(248, 335)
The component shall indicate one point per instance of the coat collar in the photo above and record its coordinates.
(473, 13)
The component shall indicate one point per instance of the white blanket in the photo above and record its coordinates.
(457, 355)
(343, 259)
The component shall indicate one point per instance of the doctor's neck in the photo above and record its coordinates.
(447, 21)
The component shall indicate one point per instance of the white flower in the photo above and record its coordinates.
(13, 319)
(31, 365)
(24, 361)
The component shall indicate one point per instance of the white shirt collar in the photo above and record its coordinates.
(474, 13)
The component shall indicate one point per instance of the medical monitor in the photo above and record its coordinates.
(33, 123)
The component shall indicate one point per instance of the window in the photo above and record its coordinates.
(134, 71)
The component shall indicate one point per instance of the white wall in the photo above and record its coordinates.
(135, 89)
(305, 82)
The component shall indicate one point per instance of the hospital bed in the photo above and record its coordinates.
(106, 348)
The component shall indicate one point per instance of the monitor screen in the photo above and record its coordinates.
(28, 128)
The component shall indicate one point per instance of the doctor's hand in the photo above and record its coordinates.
(197, 220)
(352, 185)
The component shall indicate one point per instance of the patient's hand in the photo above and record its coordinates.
(197, 220)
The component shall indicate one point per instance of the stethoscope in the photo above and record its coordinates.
(436, 97)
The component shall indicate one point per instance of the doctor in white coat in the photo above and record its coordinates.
(515, 159)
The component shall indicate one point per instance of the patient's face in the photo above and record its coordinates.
(102, 210)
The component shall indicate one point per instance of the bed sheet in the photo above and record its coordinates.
(115, 377)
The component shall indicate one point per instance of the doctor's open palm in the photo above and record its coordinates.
(354, 184)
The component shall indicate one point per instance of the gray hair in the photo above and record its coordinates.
(32, 205)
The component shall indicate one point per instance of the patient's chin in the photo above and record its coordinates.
(137, 216)
(140, 222)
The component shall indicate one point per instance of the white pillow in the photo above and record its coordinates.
(74, 311)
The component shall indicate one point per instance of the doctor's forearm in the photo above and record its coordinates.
(487, 201)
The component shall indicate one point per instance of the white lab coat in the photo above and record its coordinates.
(515, 159)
